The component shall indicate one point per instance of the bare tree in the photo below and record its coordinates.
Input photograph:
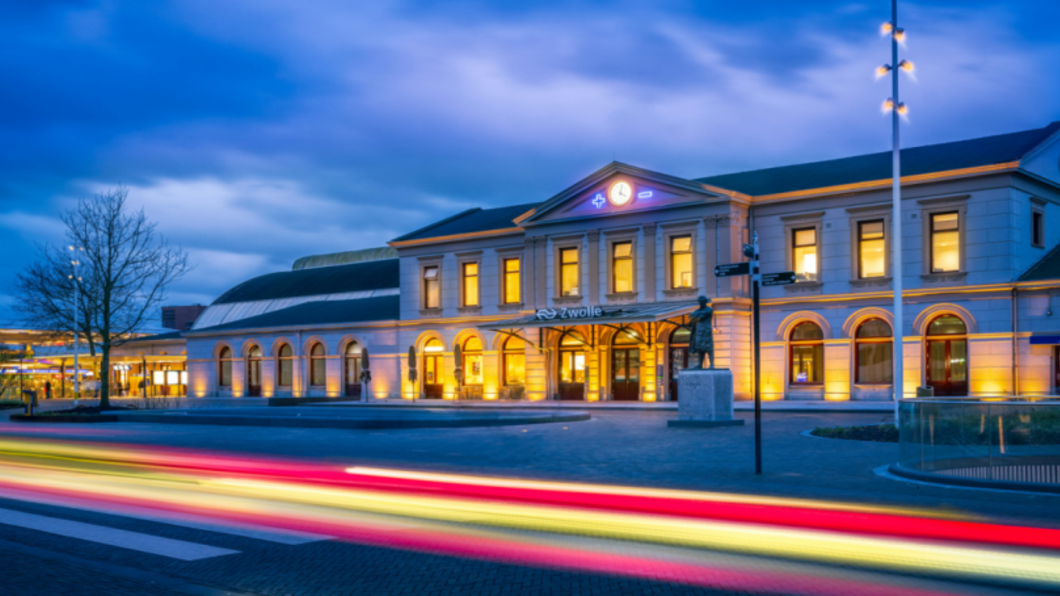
(125, 268)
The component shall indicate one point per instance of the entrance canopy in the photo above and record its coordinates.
(594, 315)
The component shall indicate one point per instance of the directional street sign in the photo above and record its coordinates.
(732, 269)
(778, 279)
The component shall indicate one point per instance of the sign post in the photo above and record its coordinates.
(758, 279)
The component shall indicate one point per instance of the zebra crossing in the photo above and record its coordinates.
(140, 541)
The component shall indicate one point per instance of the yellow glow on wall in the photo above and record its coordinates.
(594, 396)
(649, 397)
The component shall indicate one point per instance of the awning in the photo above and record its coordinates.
(594, 315)
(1045, 340)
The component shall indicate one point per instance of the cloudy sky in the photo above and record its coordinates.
(258, 131)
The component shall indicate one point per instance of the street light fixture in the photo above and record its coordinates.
(897, 110)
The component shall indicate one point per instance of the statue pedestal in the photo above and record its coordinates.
(705, 399)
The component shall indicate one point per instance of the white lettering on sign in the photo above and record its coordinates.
(586, 312)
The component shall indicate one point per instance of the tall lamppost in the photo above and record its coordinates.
(897, 110)
(75, 262)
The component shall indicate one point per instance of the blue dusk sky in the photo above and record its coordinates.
(258, 131)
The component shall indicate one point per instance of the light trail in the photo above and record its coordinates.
(543, 523)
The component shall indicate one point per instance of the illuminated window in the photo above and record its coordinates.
(286, 372)
(945, 242)
(681, 261)
(317, 366)
(1037, 228)
(472, 364)
(569, 272)
(512, 282)
(470, 280)
(224, 367)
(431, 289)
(804, 254)
(572, 358)
(874, 348)
(514, 354)
(807, 355)
(622, 267)
(871, 250)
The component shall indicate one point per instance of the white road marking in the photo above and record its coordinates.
(187, 520)
(156, 545)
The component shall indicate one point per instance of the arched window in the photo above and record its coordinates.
(572, 366)
(254, 371)
(874, 345)
(807, 354)
(472, 364)
(352, 365)
(317, 366)
(947, 355)
(433, 352)
(224, 367)
(625, 366)
(285, 376)
(514, 354)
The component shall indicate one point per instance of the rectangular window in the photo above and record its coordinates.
(569, 272)
(945, 242)
(681, 261)
(622, 267)
(470, 275)
(804, 254)
(1037, 228)
(431, 289)
(512, 282)
(871, 250)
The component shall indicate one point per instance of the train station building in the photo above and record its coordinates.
(584, 296)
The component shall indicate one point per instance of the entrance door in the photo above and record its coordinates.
(947, 356)
(254, 372)
(625, 374)
(353, 370)
(678, 357)
(572, 375)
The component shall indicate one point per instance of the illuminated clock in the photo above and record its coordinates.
(620, 193)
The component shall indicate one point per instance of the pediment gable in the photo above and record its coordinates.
(598, 196)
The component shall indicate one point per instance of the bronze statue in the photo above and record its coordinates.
(702, 336)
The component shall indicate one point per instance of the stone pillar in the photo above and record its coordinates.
(710, 255)
(529, 269)
(541, 272)
(706, 399)
(593, 257)
(649, 262)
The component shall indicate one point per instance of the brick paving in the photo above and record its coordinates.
(632, 448)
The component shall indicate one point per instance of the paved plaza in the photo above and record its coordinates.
(613, 447)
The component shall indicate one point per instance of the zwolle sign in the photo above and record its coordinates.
(586, 312)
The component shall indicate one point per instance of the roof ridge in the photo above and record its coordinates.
(904, 149)
(438, 223)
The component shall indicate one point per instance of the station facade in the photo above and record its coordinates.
(585, 296)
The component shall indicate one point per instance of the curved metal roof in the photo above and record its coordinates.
(316, 281)
(322, 312)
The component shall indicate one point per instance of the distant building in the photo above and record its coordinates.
(181, 318)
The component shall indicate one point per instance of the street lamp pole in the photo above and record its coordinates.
(897, 110)
(75, 262)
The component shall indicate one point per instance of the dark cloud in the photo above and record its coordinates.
(259, 131)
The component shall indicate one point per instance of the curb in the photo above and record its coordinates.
(71, 419)
(346, 423)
